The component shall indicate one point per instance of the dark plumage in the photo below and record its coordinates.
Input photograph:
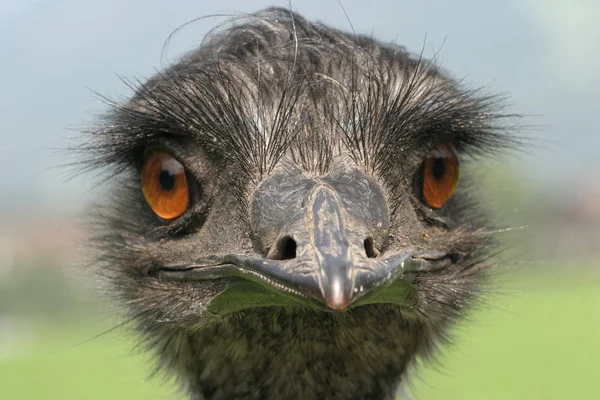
(308, 264)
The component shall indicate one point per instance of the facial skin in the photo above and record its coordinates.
(322, 246)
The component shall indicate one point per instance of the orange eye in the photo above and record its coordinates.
(440, 175)
(165, 185)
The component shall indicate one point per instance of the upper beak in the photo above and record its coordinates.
(322, 239)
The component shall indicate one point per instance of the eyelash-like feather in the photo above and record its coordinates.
(249, 97)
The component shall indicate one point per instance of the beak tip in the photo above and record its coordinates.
(337, 298)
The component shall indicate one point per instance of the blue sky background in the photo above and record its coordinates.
(54, 53)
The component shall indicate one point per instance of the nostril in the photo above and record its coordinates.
(370, 249)
(285, 249)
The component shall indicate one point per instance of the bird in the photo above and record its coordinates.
(290, 210)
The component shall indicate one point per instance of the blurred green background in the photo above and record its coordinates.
(536, 337)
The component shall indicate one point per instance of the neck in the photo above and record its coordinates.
(291, 353)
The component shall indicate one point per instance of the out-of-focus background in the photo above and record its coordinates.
(539, 338)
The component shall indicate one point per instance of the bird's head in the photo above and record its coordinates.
(288, 164)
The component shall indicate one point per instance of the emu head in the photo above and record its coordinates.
(286, 200)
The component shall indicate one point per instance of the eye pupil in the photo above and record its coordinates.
(167, 181)
(438, 168)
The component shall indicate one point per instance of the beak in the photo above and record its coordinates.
(321, 236)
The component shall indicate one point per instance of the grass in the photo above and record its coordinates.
(543, 343)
